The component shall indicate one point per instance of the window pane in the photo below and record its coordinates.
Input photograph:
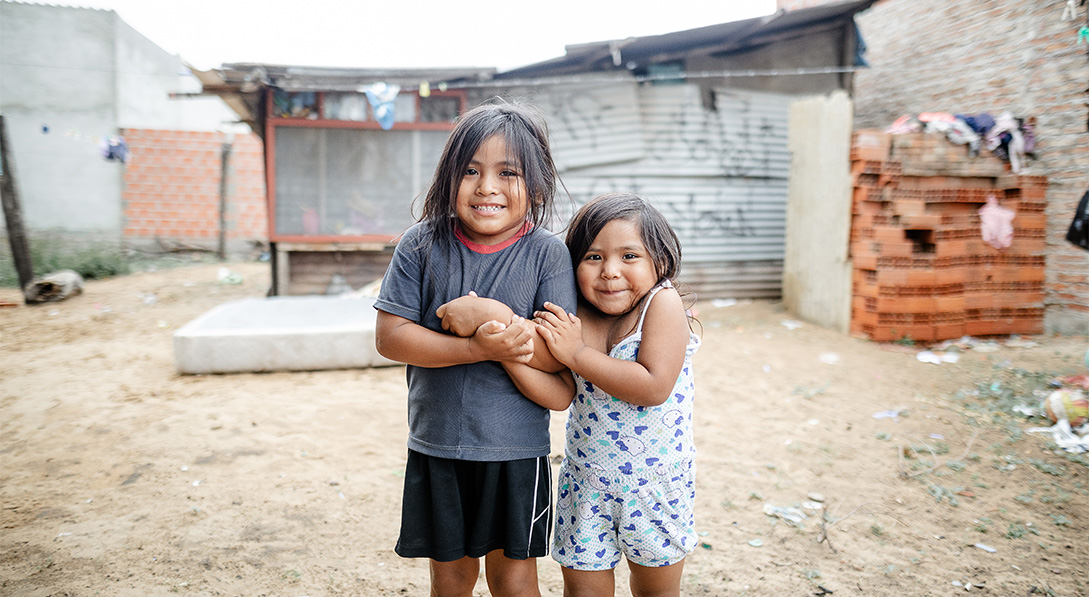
(286, 104)
(351, 182)
(404, 108)
(439, 108)
(346, 106)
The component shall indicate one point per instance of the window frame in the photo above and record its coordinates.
(272, 123)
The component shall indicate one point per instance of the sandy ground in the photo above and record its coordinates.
(119, 476)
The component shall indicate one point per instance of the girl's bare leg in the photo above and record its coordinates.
(656, 582)
(454, 579)
(511, 578)
(588, 583)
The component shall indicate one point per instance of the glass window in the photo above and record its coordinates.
(346, 106)
(351, 182)
(439, 108)
(286, 104)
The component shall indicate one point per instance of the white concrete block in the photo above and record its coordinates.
(282, 333)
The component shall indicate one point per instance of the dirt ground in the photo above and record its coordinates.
(120, 477)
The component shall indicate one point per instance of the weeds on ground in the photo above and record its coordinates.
(89, 259)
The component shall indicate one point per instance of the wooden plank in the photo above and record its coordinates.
(13, 213)
(817, 270)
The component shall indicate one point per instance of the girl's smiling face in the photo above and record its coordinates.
(617, 270)
(492, 201)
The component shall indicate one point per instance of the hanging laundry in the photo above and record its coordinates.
(980, 123)
(381, 96)
(114, 148)
(1078, 233)
(996, 224)
(1006, 138)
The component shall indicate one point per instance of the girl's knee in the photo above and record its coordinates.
(656, 582)
(454, 578)
(511, 578)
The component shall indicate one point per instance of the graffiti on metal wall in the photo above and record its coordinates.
(714, 218)
(693, 215)
(736, 145)
(680, 139)
(580, 116)
(736, 141)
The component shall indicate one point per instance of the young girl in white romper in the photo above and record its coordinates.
(626, 483)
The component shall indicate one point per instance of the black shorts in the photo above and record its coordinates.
(458, 508)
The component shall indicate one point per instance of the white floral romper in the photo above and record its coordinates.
(626, 485)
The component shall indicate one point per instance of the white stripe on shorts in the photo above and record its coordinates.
(548, 505)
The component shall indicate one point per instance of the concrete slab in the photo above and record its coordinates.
(282, 333)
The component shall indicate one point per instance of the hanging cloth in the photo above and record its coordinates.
(381, 96)
(1079, 227)
(996, 224)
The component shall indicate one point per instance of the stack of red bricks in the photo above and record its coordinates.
(922, 270)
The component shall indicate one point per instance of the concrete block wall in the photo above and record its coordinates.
(171, 188)
(970, 57)
(921, 267)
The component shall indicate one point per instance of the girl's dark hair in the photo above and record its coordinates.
(526, 135)
(655, 232)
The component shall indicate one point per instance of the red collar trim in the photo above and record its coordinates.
(487, 249)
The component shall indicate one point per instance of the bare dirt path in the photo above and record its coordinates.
(120, 477)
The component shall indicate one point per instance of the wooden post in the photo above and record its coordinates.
(13, 214)
(224, 162)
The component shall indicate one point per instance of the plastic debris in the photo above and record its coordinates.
(226, 276)
(791, 324)
(887, 414)
(1028, 411)
(793, 516)
(986, 548)
(1019, 342)
(1064, 437)
(929, 356)
(756, 542)
(720, 303)
(829, 358)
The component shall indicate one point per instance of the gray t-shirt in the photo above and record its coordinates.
(474, 411)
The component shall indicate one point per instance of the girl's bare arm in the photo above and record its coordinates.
(553, 391)
(646, 381)
(464, 315)
(405, 341)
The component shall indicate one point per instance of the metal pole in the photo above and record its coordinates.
(224, 161)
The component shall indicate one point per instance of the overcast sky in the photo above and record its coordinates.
(406, 33)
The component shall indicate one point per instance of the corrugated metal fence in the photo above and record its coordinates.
(719, 175)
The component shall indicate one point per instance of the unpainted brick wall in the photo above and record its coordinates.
(971, 57)
(172, 187)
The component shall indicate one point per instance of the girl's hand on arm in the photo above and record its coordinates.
(503, 343)
(649, 379)
(463, 315)
(562, 332)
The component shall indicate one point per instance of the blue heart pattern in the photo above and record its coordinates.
(629, 455)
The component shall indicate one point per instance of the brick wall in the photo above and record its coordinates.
(970, 57)
(921, 268)
(171, 190)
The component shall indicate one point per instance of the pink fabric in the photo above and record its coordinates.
(996, 224)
